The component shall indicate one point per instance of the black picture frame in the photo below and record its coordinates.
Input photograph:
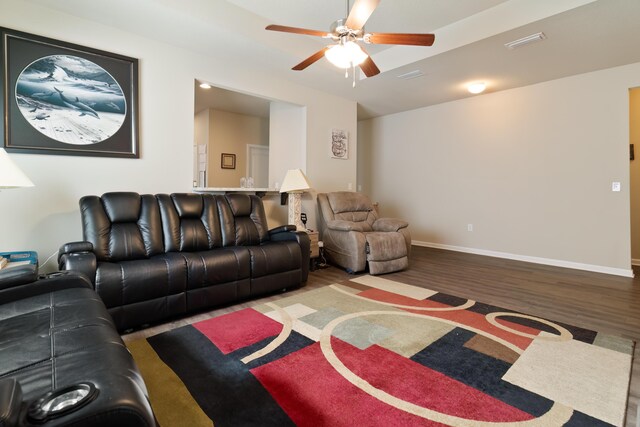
(93, 110)
(228, 161)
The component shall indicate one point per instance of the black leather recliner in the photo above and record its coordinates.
(56, 333)
(151, 258)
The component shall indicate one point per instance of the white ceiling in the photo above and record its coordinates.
(582, 36)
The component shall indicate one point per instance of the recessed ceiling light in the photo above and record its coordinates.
(205, 85)
(477, 87)
(525, 40)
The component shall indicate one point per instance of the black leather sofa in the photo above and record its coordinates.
(55, 333)
(154, 257)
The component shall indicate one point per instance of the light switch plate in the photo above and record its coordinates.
(615, 186)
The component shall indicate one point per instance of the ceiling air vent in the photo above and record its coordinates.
(525, 40)
(411, 75)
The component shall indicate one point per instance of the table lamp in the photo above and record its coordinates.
(10, 174)
(295, 183)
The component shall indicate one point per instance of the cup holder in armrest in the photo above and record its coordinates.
(61, 402)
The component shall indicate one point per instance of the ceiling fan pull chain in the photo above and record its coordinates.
(354, 74)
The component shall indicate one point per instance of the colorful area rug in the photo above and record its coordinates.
(374, 352)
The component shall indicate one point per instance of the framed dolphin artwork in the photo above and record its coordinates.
(65, 99)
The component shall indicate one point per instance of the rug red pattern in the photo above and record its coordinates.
(372, 354)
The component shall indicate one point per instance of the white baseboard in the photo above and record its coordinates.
(537, 260)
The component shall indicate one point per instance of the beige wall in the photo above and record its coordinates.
(201, 128)
(230, 133)
(326, 173)
(287, 150)
(530, 168)
(634, 138)
(287, 131)
(45, 216)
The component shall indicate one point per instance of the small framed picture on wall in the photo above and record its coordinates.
(228, 161)
(339, 144)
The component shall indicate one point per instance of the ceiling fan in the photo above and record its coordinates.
(347, 52)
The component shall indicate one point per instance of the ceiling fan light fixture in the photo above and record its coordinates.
(346, 55)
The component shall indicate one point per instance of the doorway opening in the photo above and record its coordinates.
(634, 172)
(258, 165)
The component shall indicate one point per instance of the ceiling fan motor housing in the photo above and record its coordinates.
(339, 29)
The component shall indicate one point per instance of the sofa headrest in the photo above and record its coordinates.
(122, 206)
(240, 204)
(348, 201)
(188, 205)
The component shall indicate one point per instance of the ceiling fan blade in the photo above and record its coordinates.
(310, 60)
(295, 30)
(369, 68)
(360, 12)
(399, 38)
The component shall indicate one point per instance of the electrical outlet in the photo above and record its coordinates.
(469, 227)
(349, 186)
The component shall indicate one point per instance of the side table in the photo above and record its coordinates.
(315, 248)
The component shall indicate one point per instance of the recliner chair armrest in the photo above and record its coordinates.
(78, 256)
(342, 225)
(389, 224)
(73, 247)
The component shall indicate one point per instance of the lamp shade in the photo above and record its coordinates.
(294, 180)
(10, 175)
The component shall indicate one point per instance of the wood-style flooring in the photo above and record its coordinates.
(594, 301)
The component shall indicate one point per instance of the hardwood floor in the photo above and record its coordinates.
(594, 301)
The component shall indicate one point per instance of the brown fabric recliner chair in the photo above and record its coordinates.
(353, 235)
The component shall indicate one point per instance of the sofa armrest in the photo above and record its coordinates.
(389, 224)
(302, 237)
(16, 276)
(342, 225)
(282, 229)
(78, 256)
(46, 284)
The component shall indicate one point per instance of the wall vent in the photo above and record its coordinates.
(411, 75)
(525, 40)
